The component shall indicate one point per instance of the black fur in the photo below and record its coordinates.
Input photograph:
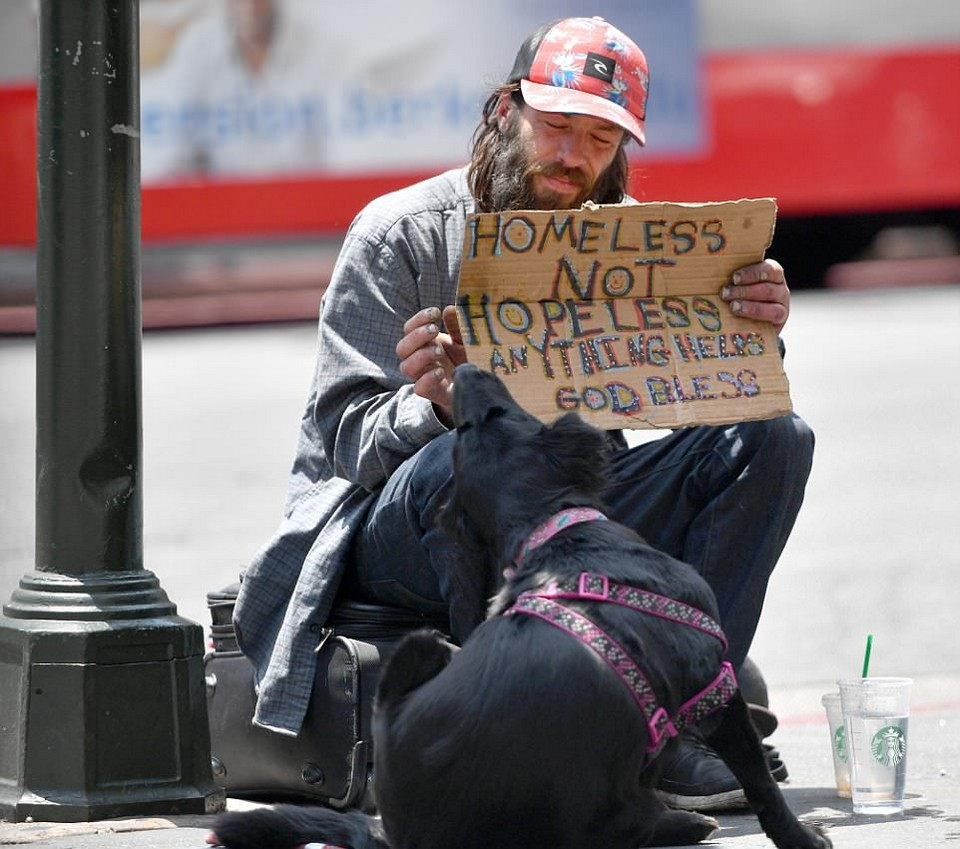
(522, 739)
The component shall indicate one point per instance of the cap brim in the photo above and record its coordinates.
(550, 98)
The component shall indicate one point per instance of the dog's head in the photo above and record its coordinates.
(511, 471)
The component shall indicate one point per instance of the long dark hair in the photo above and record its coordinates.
(488, 140)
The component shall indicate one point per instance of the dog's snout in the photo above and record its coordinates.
(474, 392)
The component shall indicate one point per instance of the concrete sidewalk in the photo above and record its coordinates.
(874, 549)
(931, 818)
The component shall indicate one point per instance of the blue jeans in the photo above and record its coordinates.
(723, 499)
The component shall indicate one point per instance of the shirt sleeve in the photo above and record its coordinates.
(366, 412)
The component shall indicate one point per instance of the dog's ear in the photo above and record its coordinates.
(578, 449)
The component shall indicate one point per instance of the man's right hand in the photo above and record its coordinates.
(428, 356)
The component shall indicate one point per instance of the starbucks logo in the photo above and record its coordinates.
(840, 742)
(889, 746)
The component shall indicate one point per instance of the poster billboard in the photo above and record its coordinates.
(241, 88)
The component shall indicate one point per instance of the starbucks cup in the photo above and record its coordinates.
(838, 743)
(875, 716)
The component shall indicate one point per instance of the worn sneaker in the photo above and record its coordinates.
(753, 688)
(694, 778)
(778, 769)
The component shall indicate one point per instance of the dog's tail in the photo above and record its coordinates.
(417, 658)
(288, 826)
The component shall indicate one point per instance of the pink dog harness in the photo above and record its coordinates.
(548, 604)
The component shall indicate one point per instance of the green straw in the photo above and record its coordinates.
(866, 656)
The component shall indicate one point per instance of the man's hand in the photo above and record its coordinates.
(428, 356)
(760, 291)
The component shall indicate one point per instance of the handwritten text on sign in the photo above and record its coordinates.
(615, 312)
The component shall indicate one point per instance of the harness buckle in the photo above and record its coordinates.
(660, 727)
(594, 586)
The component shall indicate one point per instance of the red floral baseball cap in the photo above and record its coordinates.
(585, 66)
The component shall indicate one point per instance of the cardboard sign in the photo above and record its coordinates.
(615, 312)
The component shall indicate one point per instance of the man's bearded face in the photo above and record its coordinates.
(514, 171)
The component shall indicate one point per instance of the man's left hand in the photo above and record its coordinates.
(760, 291)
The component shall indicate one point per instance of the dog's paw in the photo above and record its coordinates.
(706, 827)
(682, 828)
(819, 832)
(807, 836)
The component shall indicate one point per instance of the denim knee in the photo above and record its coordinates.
(432, 473)
(788, 438)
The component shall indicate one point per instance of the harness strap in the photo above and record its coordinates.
(660, 724)
(596, 587)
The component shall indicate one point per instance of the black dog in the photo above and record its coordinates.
(542, 731)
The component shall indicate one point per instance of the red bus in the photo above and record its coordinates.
(847, 113)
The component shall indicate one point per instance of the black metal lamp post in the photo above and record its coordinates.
(102, 699)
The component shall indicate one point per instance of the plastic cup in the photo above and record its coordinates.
(838, 743)
(875, 716)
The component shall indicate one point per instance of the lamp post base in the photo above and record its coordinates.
(103, 709)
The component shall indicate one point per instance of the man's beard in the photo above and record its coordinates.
(511, 185)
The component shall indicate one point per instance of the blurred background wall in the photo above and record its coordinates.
(267, 124)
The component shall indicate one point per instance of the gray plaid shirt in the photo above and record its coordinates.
(362, 419)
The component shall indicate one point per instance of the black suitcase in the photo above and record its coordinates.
(330, 762)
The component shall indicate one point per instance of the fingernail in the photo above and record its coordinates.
(726, 292)
(736, 278)
(432, 329)
(764, 275)
(438, 350)
(735, 306)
